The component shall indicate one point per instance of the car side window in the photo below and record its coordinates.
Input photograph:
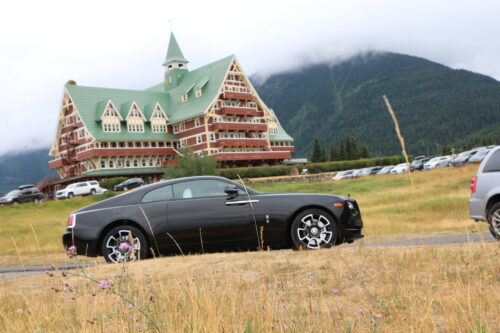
(201, 189)
(160, 194)
(493, 164)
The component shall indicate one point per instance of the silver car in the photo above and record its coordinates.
(479, 156)
(484, 204)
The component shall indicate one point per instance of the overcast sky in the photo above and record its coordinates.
(122, 44)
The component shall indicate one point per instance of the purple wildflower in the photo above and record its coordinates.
(68, 288)
(71, 251)
(361, 312)
(335, 291)
(125, 247)
(104, 284)
(151, 297)
(130, 306)
(70, 298)
(379, 315)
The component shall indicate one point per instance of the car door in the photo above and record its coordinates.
(201, 213)
(25, 195)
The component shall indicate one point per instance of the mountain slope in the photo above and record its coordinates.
(23, 168)
(435, 105)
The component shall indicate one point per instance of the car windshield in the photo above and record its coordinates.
(387, 168)
(435, 159)
(482, 152)
(12, 193)
(464, 154)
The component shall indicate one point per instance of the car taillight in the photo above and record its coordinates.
(473, 184)
(71, 221)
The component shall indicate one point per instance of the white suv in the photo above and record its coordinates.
(83, 188)
(484, 204)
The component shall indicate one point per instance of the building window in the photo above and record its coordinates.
(151, 162)
(199, 139)
(184, 97)
(212, 137)
(111, 164)
(127, 164)
(197, 122)
(135, 163)
(103, 164)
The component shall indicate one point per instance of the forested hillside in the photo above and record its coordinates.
(23, 168)
(436, 105)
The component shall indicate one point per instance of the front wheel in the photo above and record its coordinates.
(125, 188)
(124, 243)
(70, 195)
(92, 191)
(494, 220)
(313, 229)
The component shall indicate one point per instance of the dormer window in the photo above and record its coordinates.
(135, 119)
(198, 92)
(110, 119)
(184, 97)
(158, 120)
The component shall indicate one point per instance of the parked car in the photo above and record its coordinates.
(209, 213)
(354, 174)
(369, 171)
(27, 194)
(418, 163)
(479, 156)
(437, 162)
(24, 187)
(385, 170)
(462, 158)
(401, 168)
(129, 184)
(342, 174)
(484, 204)
(81, 188)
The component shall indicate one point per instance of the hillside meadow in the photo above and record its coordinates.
(437, 203)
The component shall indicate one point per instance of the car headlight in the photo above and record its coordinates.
(350, 205)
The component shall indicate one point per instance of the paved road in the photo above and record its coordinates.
(13, 272)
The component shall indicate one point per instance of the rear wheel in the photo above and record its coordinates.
(313, 229)
(70, 195)
(494, 220)
(92, 191)
(124, 243)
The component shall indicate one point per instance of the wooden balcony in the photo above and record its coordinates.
(239, 111)
(115, 152)
(57, 163)
(283, 148)
(241, 142)
(249, 156)
(245, 96)
(235, 126)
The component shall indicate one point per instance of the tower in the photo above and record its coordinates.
(175, 64)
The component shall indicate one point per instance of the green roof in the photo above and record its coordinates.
(174, 52)
(213, 74)
(123, 171)
(282, 135)
(91, 102)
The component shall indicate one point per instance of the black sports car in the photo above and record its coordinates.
(199, 214)
(129, 184)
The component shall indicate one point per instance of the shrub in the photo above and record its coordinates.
(281, 170)
(110, 182)
(191, 164)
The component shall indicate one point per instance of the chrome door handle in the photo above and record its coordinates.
(240, 202)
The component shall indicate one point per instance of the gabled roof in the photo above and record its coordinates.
(178, 110)
(174, 52)
(88, 102)
(282, 135)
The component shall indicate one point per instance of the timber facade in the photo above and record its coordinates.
(213, 110)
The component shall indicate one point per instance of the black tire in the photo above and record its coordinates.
(313, 229)
(70, 195)
(494, 220)
(121, 234)
(92, 192)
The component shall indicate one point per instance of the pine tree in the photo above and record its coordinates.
(446, 150)
(318, 153)
(363, 152)
(356, 150)
(342, 152)
(334, 154)
(349, 152)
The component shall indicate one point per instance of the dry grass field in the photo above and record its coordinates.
(437, 203)
(344, 289)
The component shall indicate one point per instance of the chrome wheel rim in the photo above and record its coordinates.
(495, 221)
(315, 231)
(117, 255)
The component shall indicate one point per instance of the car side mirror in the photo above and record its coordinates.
(231, 191)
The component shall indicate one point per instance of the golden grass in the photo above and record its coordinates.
(344, 289)
(437, 202)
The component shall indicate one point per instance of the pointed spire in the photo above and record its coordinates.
(174, 52)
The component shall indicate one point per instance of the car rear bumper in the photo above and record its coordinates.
(82, 247)
(477, 209)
